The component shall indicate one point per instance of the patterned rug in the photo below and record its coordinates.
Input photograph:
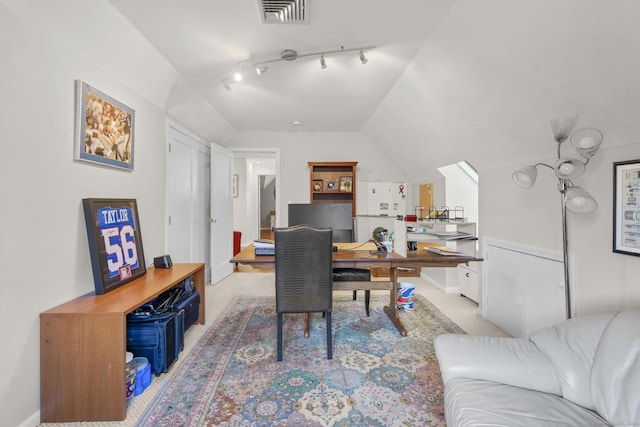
(376, 377)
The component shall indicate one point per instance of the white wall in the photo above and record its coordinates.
(484, 87)
(240, 203)
(461, 192)
(604, 280)
(298, 148)
(44, 254)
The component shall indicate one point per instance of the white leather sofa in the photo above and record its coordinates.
(580, 372)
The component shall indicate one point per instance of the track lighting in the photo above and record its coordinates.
(262, 69)
(290, 55)
(363, 58)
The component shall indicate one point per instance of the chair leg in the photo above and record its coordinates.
(355, 295)
(367, 299)
(306, 325)
(329, 339)
(279, 337)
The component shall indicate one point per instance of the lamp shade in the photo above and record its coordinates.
(569, 168)
(579, 200)
(562, 127)
(525, 177)
(586, 141)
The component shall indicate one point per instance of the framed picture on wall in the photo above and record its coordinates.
(626, 207)
(104, 129)
(115, 242)
(234, 185)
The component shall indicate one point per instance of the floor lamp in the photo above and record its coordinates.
(586, 143)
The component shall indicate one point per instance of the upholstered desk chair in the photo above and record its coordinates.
(355, 275)
(304, 284)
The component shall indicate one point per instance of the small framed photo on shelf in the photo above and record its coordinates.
(331, 186)
(626, 211)
(317, 185)
(346, 184)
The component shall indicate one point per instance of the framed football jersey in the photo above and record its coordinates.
(115, 242)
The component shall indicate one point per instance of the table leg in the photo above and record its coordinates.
(392, 308)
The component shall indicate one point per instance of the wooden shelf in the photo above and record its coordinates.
(333, 182)
(83, 346)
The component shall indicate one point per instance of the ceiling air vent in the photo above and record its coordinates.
(284, 11)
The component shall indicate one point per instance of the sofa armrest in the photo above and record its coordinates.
(513, 361)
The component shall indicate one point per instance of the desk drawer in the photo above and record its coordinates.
(402, 272)
(469, 281)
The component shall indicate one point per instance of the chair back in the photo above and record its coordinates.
(304, 258)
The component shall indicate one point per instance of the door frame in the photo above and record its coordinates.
(273, 152)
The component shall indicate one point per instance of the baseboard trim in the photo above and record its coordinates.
(33, 420)
(438, 285)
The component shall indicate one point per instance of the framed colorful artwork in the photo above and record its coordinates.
(104, 129)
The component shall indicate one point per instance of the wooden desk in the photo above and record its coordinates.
(346, 257)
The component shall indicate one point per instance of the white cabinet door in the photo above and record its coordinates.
(469, 281)
(524, 288)
(179, 197)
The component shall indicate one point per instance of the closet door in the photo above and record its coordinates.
(188, 198)
(179, 196)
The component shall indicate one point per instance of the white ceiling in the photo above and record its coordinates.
(207, 40)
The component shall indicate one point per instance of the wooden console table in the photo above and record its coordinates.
(83, 346)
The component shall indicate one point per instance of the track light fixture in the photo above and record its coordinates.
(363, 58)
(261, 69)
(586, 143)
(292, 55)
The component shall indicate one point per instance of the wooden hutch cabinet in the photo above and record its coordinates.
(333, 182)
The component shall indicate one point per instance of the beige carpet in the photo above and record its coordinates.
(459, 309)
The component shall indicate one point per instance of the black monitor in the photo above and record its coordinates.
(335, 215)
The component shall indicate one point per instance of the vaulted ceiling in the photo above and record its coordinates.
(207, 41)
(448, 80)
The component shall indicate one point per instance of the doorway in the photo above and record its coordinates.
(461, 189)
(267, 205)
(256, 168)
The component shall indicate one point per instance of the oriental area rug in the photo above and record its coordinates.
(376, 376)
